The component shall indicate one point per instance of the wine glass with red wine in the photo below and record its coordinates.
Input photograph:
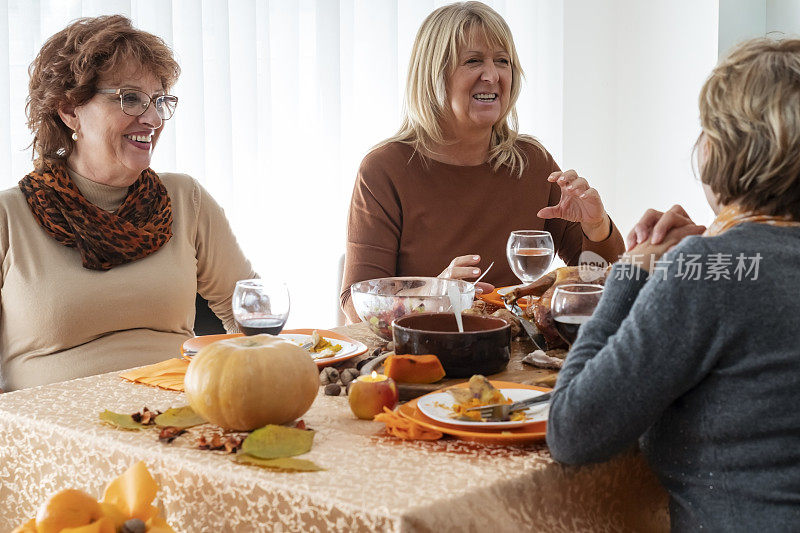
(529, 253)
(572, 305)
(260, 306)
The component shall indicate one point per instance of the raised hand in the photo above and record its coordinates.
(579, 203)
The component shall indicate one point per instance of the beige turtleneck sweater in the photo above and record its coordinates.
(60, 321)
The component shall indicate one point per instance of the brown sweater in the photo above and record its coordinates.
(60, 321)
(411, 216)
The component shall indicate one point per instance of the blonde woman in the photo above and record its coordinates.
(695, 352)
(457, 178)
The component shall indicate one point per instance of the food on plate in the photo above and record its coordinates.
(323, 348)
(244, 383)
(413, 368)
(368, 395)
(480, 392)
(544, 288)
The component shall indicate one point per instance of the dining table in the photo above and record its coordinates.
(51, 438)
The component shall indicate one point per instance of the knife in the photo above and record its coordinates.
(532, 332)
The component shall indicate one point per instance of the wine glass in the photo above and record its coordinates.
(572, 305)
(529, 253)
(260, 306)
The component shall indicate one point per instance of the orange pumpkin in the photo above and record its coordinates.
(413, 368)
(244, 383)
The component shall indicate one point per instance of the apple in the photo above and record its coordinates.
(370, 394)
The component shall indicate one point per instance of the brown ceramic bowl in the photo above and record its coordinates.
(483, 348)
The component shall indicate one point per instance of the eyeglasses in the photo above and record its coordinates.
(135, 102)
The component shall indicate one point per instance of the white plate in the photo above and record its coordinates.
(438, 406)
(348, 348)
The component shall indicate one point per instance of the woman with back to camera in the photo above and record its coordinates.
(702, 364)
(457, 178)
(102, 257)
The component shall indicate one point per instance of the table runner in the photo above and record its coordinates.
(50, 439)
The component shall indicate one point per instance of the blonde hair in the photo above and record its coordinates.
(434, 57)
(750, 115)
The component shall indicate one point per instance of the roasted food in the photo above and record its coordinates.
(543, 288)
(480, 392)
(480, 308)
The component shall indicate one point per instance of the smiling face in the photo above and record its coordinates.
(114, 148)
(479, 89)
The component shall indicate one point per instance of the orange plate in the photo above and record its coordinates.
(494, 298)
(520, 435)
(196, 343)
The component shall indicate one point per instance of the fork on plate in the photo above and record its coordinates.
(501, 411)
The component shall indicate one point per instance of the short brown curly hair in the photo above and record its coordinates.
(750, 115)
(66, 70)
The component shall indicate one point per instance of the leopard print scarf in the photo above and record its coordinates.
(139, 227)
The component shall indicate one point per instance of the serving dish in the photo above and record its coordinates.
(484, 347)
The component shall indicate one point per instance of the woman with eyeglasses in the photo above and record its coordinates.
(101, 256)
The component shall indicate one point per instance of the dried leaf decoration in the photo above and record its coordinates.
(272, 442)
(169, 434)
(146, 417)
(120, 421)
(218, 441)
(179, 417)
(282, 463)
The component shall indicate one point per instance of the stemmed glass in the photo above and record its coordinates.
(572, 305)
(529, 253)
(260, 306)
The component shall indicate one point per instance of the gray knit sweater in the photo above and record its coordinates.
(705, 372)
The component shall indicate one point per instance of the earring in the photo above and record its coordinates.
(74, 135)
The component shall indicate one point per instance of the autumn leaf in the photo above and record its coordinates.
(273, 441)
(281, 463)
(120, 421)
(179, 417)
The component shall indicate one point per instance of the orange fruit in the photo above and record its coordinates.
(65, 509)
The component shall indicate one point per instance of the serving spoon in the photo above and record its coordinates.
(455, 302)
(484, 273)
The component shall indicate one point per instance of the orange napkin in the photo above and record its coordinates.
(167, 374)
(405, 428)
(128, 496)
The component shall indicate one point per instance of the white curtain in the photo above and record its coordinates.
(280, 100)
